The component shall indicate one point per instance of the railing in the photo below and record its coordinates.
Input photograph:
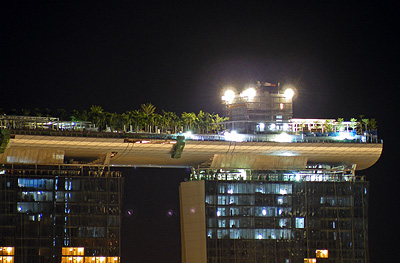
(272, 137)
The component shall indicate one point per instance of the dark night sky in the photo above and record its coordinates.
(341, 57)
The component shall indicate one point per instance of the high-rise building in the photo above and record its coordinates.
(59, 213)
(281, 205)
(268, 189)
(315, 214)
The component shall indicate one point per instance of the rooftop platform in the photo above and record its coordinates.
(154, 150)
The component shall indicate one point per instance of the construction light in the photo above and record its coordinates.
(289, 93)
(250, 93)
(229, 96)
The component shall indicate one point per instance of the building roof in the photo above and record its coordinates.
(37, 149)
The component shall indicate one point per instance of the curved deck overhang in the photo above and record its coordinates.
(36, 149)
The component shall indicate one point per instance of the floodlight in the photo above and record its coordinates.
(250, 93)
(229, 96)
(289, 93)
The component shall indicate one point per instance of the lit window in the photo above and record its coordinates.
(264, 212)
(321, 253)
(310, 260)
(299, 222)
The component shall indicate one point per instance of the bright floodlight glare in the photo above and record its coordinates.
(249, 93)
(289, 93)
(229, 95)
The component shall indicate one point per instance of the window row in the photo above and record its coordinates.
(70, 184)
(247, 199)
(250, 233)
(244, 188)
(266, 211)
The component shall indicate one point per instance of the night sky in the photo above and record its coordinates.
(341, 57)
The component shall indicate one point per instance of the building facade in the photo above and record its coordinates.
(317, 214)
(258, 108)
(60, 213)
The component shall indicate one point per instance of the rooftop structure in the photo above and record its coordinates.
(259, 106)
(289, 205)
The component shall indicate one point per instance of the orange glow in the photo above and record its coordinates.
(322, 253)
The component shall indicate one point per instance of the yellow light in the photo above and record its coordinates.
(102, 259)
(310, 260)
(321, 253)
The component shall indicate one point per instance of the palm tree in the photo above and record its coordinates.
(204, 121)
(111, 120)
(340, 124)
(96, 115)
(125, 120)
(353, 123)
(148, 110)
(136, 117)
(156, 121)
(365, 122)
(75, 115)
(175, 121)
(328, 126)
(373, 124)
(188, 118)
(166, 120)
(217, 120)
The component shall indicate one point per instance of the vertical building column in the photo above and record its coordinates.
(193, 222)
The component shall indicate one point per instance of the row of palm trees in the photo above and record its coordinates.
(148, 120)
(144, 119)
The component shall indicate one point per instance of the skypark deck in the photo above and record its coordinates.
(295, 137)
(157, 150)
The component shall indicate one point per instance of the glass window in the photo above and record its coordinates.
(44, 184)
(95, 231)
(221, 223)
(113, 220)
(321, 253)
(299, 222)
(234, 223)
(284, 222)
